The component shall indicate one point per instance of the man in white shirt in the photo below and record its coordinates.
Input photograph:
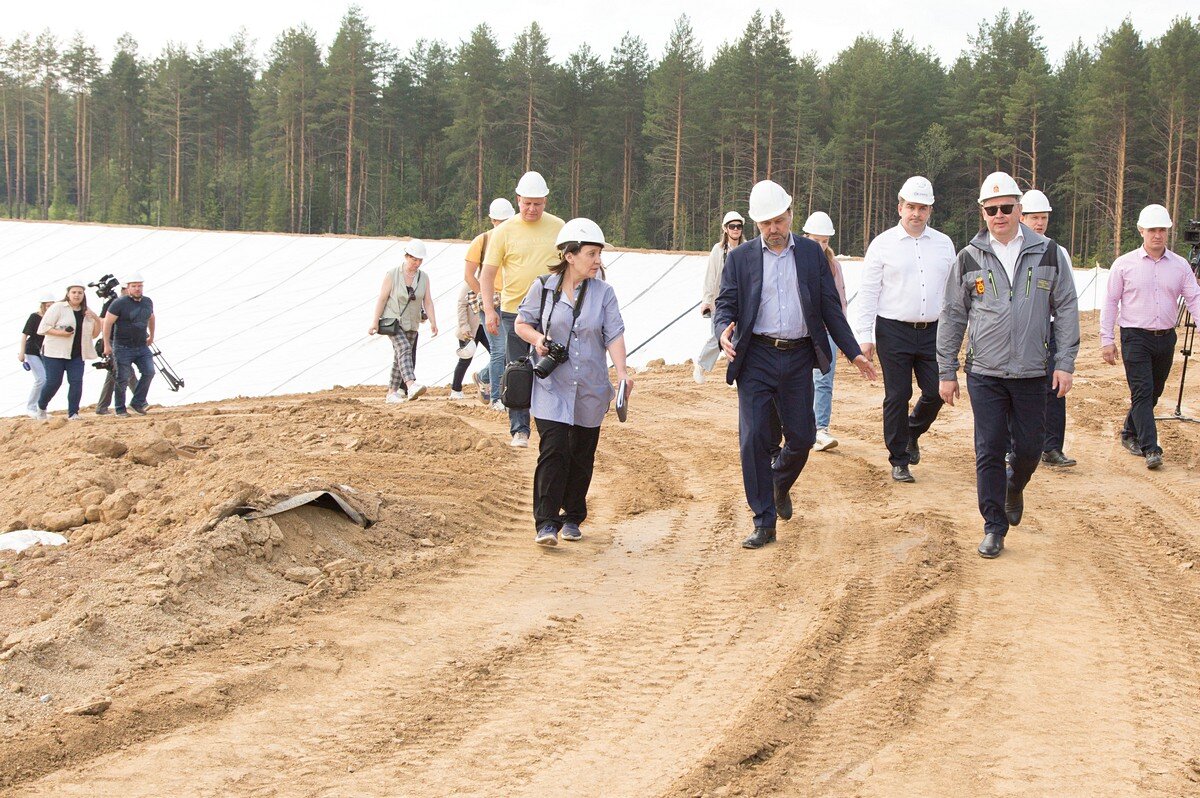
(896, 314)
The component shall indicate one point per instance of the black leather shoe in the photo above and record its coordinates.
(1132, 445)
(1153, 460)
(1056, 458)
(902, 474)
(783, 503)
(760, 538)
(991, 546)
(1014, 504)
(914, 452)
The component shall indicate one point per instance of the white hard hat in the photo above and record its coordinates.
(47, 296)
(466, 351)
(133, 277)
(732, 216)
(501, 209)
(818, 224)
(416, 248)
(998, 184)
(74, 284)
(768, 200)
(1154, 216)
(917, 189)
(532, 185)
(1035, 201)
(585, 231)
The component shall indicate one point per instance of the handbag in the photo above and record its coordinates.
(392, 326)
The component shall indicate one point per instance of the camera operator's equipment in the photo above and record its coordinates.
(516, 384)
(1191, 235)
(556, 355)
(105, 362)
(105, 286)
(174, 381)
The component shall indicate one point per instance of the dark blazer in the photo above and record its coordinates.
(741, 295)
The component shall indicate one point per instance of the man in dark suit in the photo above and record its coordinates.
(776, 302)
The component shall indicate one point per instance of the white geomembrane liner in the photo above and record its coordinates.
(260, 314)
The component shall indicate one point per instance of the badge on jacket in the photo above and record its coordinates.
(979, 289)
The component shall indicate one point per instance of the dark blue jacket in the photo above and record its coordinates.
(741, 295)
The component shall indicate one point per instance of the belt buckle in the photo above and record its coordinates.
(778, 343)
(920, 325)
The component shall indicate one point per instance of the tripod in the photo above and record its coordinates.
(1187, 339)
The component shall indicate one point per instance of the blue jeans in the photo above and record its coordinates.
(55, 368)
(496, 361)
(823, 389)
(514, 349)
(126, 357)
(38, 370)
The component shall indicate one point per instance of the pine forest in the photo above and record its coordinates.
(364, 139)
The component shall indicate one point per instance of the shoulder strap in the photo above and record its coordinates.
(542, 306)
(483, 247)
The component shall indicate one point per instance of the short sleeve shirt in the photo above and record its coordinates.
(133, 320)
(33, 341)
(521, 251)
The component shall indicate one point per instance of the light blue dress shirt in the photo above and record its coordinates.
(779, 311)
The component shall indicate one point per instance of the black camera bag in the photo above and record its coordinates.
(516, 384)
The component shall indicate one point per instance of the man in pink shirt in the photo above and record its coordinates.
(1144, 288)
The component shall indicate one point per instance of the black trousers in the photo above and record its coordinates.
(1056, 406)
(460, 368)
(566, 454)
(1000, 405)
(774, 381)
(1148, 358)
(904, 351)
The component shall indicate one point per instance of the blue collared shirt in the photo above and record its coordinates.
(779, 311)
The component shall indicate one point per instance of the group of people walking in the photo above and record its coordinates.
(63, 336)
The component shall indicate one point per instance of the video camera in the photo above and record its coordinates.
(105, 286)
(1191, 233)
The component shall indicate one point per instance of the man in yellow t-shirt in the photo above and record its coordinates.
(518, 252)
(488, 378)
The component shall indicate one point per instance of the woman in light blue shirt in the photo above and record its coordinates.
(571, 318)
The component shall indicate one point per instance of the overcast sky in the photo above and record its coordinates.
(831, 26)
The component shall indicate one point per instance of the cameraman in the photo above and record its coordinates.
(581, 319)
(130, 345)
(104, 290)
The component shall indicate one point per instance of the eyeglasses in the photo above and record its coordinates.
(1005, 209)
(734, 226)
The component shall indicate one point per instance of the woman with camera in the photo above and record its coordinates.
(731, 236)
(30, 353)
(571, 318)
(405, 300)
(69, 328)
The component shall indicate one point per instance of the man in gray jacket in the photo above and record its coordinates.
(1003, 289)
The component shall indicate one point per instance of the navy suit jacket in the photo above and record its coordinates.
(741, 295)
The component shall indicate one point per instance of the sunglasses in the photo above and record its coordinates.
(1005, 209)
(734, 226)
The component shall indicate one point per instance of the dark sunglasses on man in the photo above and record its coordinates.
(734, 226)
(1005, 209)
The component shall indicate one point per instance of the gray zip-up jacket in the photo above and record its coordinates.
(1008, 326)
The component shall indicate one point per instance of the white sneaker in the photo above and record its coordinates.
(499, 407)
(485, 389)
(520, 440)
(42, 415)
(73, 417)
(824, 441)
(415, 391)
(457, 395)
(394, 398)
(33, 414)
(698, 374)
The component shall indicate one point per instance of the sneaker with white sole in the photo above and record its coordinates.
(824, 441)
(456, 395)
(415, 391)
(42, 415)
(520, 440)
(485, 389)
(394, 398)
(74, 417)
(499, 407)
(570, 531)
(698, 374)
(546, 536)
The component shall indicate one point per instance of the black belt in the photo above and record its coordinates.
(1155, 333)
(916, 325)
(780, 343)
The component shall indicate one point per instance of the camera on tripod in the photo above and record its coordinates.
(556, 355)
(1191, 233)
(105, 286)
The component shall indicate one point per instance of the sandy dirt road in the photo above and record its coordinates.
(870, 652)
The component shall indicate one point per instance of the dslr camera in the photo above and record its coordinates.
(556, 355)
(105, 286)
